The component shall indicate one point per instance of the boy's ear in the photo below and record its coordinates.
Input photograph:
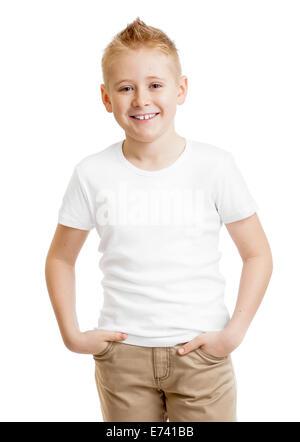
(182, 89)
(105, 98)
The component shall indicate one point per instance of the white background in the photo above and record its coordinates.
(242, 63)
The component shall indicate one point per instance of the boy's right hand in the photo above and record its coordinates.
(94, 341)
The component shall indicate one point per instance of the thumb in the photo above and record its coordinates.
(115, 336)
(108, 335)
(191, 345)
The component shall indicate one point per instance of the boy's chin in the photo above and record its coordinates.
(142, 138)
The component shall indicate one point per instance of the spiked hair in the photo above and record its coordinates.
(135, 36)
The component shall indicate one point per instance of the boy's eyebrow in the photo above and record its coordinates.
(148, 77)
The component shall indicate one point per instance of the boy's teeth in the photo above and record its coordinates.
(146, 117)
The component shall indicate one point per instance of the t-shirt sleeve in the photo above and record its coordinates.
(75, 210)
(233, 200)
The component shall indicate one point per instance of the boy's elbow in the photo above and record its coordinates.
(264, 258)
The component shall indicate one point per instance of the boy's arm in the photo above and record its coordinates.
(252, 244)
(60, 278)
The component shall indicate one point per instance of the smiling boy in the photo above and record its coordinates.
(158, 201)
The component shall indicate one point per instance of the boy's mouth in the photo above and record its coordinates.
(145, 118)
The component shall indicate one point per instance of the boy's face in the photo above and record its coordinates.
(132, 93)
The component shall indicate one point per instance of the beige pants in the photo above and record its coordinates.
(156, 384)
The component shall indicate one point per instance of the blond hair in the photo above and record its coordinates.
(135, 36)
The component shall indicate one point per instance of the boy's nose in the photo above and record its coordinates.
(140, 99)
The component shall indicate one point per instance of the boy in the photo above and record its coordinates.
(158, 201)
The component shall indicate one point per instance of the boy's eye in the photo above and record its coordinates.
(128, 87)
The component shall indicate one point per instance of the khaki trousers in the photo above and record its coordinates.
(156, 384)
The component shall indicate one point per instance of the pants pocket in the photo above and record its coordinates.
(105, 351)
(207, 356)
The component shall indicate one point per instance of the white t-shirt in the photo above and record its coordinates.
(159, 234)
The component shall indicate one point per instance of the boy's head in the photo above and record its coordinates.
(142, 75)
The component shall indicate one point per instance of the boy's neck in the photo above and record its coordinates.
(157, 154)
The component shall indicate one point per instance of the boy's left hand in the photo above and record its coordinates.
(218, 343)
